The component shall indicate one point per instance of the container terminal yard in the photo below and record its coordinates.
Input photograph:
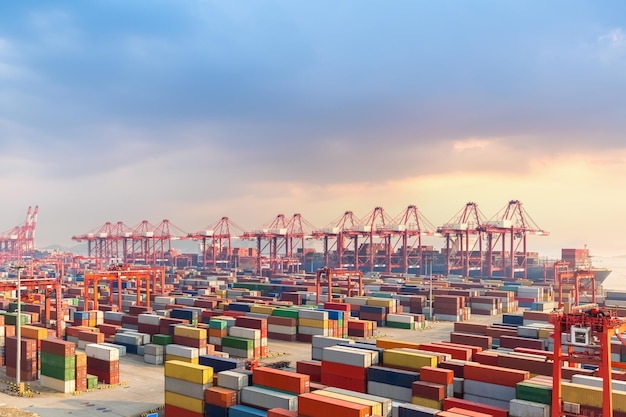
(368, 329)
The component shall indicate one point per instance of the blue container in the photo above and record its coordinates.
(218, 363)
(373, 309)
(181, 313)
(513, 319)
(245, 411)
(397, 377)
(215, 411)
(413, 410)
(334, 314)
(245, 307)
(81, 315)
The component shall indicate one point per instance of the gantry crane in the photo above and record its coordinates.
(465, 256)
(118, 274)
(589, 331)
(407, 228)
(515, 223)
(340, 231)
(327, 275)
(19, 241)
(217, 242)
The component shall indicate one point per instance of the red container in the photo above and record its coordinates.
(58, 347)
(278, 379)
(494, 411)
(91, 337)
(511, 342)
(429, 390)
(221, 397)
(484, 342)
(150, 329)
(101, 365)
(349, 371)
(486, 358)
(464, 354)
(173, 411)
(437, 375)
(281, 412)
(474, 349)
(311, 368)
(494, 374)
(311, 405)
(282, 336)
(191, 342)
(473, 328)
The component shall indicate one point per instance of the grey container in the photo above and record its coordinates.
(152, 349)
(266, 398)
(349, 356)
(522, 408)
(389, 391)
(484, 389)
(153, 359)
(232, 380)
(190, 389)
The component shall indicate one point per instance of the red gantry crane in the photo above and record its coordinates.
(216, 242)
(403, 237)
(337, 237)
(514, 223)
(19, 242)
(583, 336)
(370, 254)
(462, 253)
(152, 245)
(267, 239)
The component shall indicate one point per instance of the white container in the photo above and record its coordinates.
(313, 331)
(232, 380)
(152, 349)
(328, 341)
(275, 328)
(150, 319)
(153, 359)
(245, 333)
(400, 318)
(354, 357)
(313, 314)
(58, 384)
(182, 351)
(497, 392)
(105, 353)
(521, 408)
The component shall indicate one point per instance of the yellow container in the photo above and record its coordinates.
(319, 324)
(170, 357)
(391, 344)
(381, 302)
(591, 396)
(262, 309)
(34, 332)
(376, 407)
(545, 333)
(187, 403)
(190, 332)
(408, 360)
(198, 374)
(425, 402)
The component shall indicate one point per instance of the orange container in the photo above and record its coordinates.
(468, 413)
(281, 412)
(91, 337)
(463, 354)
(393, 344)
(281, 380)
(222, 397)
(437, 375)
(494, 374)
(311, 405)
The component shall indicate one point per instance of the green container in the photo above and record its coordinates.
(286, 312)
(533, 392)
(383, 294)
(397, 325)
(162, 339)
(238, 343)
(50, 359)
(218, 324)
(11, 318)
(64, 374)
(92, 381)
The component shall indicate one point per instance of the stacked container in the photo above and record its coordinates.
(29, 362)
(282, 328)
(217, 330)
(181, 353)
(185, 384)
(346, 367)
(192, 337)
(491, 385)
(58, 365)
(103, 362)
(154, 354)
(82, 378)
(260, 324)
(312, 323)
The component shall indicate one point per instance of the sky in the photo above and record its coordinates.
(191, 110)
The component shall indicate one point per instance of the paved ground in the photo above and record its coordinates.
(141, 390)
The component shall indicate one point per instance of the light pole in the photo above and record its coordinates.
(430, 292)
(18, 329)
